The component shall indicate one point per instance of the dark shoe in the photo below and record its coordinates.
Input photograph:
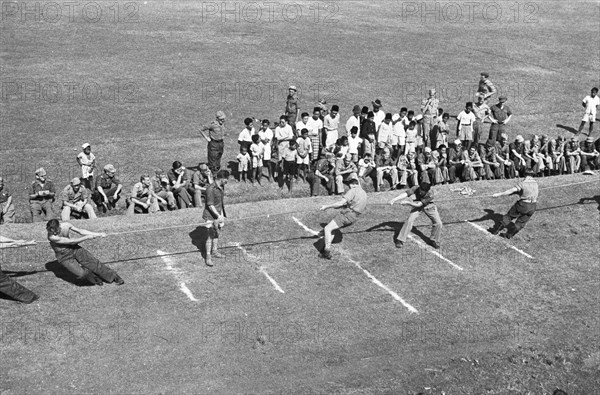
(496, 230)
(506, 236)
(326, 254)
(434, 245)
(118, 280)
(399, 244)
(217, 254)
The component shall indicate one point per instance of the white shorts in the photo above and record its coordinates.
(589, 118)
(332, 137)
(394, 140)
(303, 161)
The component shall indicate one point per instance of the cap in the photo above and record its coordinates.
(377, 103)
(110, 168)
(484, 74)
(75, 181)
(352, 177)
(432, 91)
(40, 172)
(457, 142)
(519, 138)
(84, 146)
(356, 108)
(220, 115)
(293, 87)
(502, 99)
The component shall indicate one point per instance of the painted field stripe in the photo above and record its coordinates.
(306, 228)
(434, 252)
(506, 243)
(369, 275)
(260, 269)
(177, 273)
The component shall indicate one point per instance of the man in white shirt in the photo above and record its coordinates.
(284, 134)
(266, 137)
(354, 120)
(464, 126)
(331, 124)
(87, 161)
(245, 136)
(590, 103)
(378, 113)
(315, 129)
(302, 123)
(399, 132)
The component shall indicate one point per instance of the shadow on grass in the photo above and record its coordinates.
(567, 128)
(596, 198)
(397, 227)
(65, 275)
(199, 237)
(21, 273)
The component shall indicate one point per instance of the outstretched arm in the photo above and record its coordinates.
(338, 204)
(507, 192)
(87, 233)
(403, 195)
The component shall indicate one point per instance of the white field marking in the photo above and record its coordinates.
(306, 228)
(434, 252)
(178, 273)
(260, 269)
(501, 239)
(371, 277)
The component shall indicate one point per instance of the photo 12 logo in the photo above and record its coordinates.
(69, 12)
(428, 12)
(266, 91)
(270, 12)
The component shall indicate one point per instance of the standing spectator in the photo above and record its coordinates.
(385, 130)
(291, 107)
(343, 168)
(283, 134)
(464, 126)
(368, 126)
(440, 132)
(481, 111)
(302, 124)
(304, 150)
(75, 200)
(589, 156)
(315, 132)
(486, 88)
(266, 138)
(7, 208)
(87, 162)
(180, 185)
(245, 136)
(354, 120)
(398, 133)
(573, 155)
(41, 197)
(363, 117)
(257, 149)
(378, 114)
(331, 124)
(77, 259)
(429, 110)
(162, 189)
(323, 109)
(456, 162)
(322, 174)
(354, 143)
(500, 114)
(244, 160)
(214, 214)
(369, 145)
(385, 167)
(108, 189)
(423, 203)
(412, 137)
(143, 197)
(216, 133)
(590, 103)
(503, 154)
(517, 155)
(290, 159)
(421, 139)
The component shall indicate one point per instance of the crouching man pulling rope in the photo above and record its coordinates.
(10, 287)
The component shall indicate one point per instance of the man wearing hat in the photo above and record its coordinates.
(108, 189)
(322, 174)
(378, 114)
(429, 109)
(162, 189)
(143, 197)
(523, 209)
(331, 124)
(353, 121)
(216, 133)
(87, 162)
(75, 201)
(422, 203)
(500, 114)
(291, 106)
(485, 88)
(41, 197)
(573, 155)
(517, 155)
(353, 204)
(7, 208)
(10, 287)
(589, 156)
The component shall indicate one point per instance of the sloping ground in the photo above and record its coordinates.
(274, 318)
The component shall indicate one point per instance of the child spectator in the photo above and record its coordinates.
(464, 126)
(257, 149)
(398, 133)
(266, 138)
(407, 170)
(243, 159)
(87, 161)
(304, 150)
(290, 158)
(354, 142)
(367, 168)
(411, 137)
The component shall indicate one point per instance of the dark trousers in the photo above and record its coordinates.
(40, 209)
(215, 152)
(316, 182)
(522, 211)
(81, 263)
(454, 172)
(496, 131)
(10, 287)
(110, 193)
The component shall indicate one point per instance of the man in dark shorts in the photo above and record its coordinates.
(423, 203)
(214, 213)
(77, 259)
(10, 287)
(523, 209)
(354, 202)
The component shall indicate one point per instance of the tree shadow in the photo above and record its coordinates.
(567, 128)
(65, 275)
(199, 237)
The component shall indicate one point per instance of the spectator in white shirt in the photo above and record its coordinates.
(354, 120)
(590, 103)
(87, 161)
(378, 114)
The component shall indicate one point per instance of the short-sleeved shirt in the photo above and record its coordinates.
(431, 108)
(86, 161)
(384, 133)
(528, 190)
(214, 197)
(140, 191)
(157, 184)
(69, 195)
(244, 159)
(341, 166)
(290, 155)
(378, 118)
(485, 86)
(330, 123)
(106, 182)
(285, 133)
(291, 105)
(36, 187)
(356, 200)
(246, 135)
(500, 114)
(466, 119)
(314, 126)
(199, 179)
(173, 177)
(353, 144)
(480, 110)
(304, 145)
(4, 195)
(425, 198)
(591, 103)
(215, 130)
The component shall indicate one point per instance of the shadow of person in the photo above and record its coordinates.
(233, 169)
(596, 198)
(198, 237)
(21, 273)
(65, 275)
(567, 128)
(390, 225)
(490, 215)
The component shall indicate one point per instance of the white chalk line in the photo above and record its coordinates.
(178, 273)
(369, 275)
(506, 243)
(261, 268)
(434, 252)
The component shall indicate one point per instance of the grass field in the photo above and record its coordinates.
(272, 317)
